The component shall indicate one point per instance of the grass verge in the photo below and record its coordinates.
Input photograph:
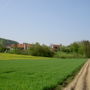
(68, 79)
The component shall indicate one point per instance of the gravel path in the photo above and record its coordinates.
(82, 80)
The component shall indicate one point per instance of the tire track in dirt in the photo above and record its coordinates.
(77, 78)
(82, 80)
(88, 78)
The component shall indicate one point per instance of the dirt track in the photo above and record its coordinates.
(82, 80)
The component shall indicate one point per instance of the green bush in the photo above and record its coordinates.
(41, 50)
(67, 55)
(2, 48)
(19, 51)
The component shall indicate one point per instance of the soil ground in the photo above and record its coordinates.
(82, 80)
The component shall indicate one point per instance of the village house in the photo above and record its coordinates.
(55, 47)
(23, 46)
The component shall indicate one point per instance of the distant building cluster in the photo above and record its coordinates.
(25, 46)
(21, 46)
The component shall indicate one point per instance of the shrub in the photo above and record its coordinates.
(41, 50)
(67, 55)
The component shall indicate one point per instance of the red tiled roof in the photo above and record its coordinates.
(21, 45)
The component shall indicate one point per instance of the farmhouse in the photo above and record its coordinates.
(24, 46)
(55, 47)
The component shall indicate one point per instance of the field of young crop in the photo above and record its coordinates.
(32, 74)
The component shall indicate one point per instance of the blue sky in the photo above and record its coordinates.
(45, 21)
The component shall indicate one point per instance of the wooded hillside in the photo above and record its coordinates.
(6, 42)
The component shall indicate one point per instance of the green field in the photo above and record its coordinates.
(19, 72)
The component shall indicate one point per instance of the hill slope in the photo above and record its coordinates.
(6, 42)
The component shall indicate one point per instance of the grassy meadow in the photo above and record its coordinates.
(20, 72)
(7, 56)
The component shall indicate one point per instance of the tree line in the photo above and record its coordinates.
(75, 50)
